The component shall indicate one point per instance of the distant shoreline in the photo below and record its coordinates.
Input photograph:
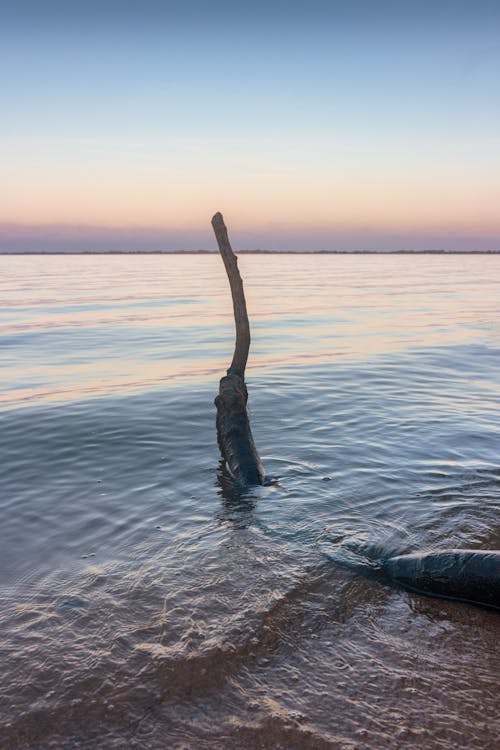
(252, 252)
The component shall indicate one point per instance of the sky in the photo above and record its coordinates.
(361, 125)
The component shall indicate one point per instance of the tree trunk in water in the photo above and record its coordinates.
(468, 575)
(233, 427)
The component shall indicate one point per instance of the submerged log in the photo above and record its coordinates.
(234, 435)
(469, 575)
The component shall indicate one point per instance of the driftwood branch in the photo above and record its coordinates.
(239, 305)
(233, 427)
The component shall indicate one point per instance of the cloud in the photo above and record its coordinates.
(74, 239)
(18, 238)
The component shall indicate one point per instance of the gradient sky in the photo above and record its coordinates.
(354, 125)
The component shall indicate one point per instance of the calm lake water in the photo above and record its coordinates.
(148, 604)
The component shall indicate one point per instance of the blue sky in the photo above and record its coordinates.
(326, 126)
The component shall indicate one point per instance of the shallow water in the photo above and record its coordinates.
(148, 604)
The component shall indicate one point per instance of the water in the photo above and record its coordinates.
(147, 604)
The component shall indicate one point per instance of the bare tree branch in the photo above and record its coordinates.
(233, 427)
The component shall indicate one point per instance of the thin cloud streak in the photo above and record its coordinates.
(15, 238)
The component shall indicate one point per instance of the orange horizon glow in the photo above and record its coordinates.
(338, 210)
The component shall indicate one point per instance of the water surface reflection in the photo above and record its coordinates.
(147, 601)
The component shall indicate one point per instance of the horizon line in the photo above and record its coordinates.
(257, 251)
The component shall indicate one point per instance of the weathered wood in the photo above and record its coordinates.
(233, 427)
(242, 344)
(468, 575)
